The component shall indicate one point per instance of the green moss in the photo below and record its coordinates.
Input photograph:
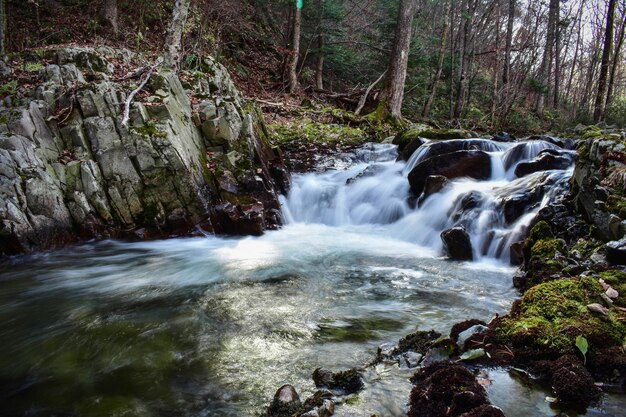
(553, 313)
(309, 131)
(149, 129)
(445, 134)
(547, 248)
(540, 231)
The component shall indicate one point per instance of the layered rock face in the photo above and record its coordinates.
(193, 155)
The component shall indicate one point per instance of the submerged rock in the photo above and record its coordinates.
(457, 244)
(349, 381)
(286, 403)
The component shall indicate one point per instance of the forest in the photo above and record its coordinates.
(494, 65)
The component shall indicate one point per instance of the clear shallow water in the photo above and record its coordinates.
(210, 326)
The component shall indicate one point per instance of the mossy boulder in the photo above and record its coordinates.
(551, 315)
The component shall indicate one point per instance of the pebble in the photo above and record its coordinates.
(598, 308)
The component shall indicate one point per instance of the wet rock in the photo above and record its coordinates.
(459, 328)
(412, 359)
(438, 148)
(410, 148)
(457, 244)
(349, 381)
(434, 184)
(470, 333)
(286, 403)
(544, 162)
(473, 164)
(516, 253)
(445, 389)
(503, 137)
(616, 252)
(419, 341)
(562, 143)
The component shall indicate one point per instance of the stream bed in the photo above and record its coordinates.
(212, 326)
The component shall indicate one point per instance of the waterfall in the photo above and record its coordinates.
(374, 191)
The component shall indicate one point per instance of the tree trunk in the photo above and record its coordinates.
(175, 34)
(109, 15)
(577, 50)
(557, 54)
(295, 51)
(463, 40)
(319, 69)
(496, 68)
(616, 60)
(393, 94)
(598, 113)
(442, 53)
(506, 75)
(546, 63)
(3, 28)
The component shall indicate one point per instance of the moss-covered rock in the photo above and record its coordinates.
(552, 314)
(309, 131)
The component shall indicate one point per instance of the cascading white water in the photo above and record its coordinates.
(375, 191)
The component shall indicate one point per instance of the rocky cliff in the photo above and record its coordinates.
(194, 155)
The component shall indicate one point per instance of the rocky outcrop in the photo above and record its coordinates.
(474, 164)
(193, 155)
(599, 184)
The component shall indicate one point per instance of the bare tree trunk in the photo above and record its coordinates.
(598, 113)
(616, 58)
(3, 28)
(319, 69)
(442, 53)
(175, 34)
(557, 54)
(496, 69)
(393, 93)
(546, 63)
(109, 15)
(452, 44)
(295, 51)
(576, 51)
(506, 75)
(464, 40)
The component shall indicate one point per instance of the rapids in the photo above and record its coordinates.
(212, 326)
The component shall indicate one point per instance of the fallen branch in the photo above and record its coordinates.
(269, 103)
(132, 95)
(367, 93)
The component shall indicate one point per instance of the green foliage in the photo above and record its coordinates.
(8, 89)
(582, 345)
(522, 120)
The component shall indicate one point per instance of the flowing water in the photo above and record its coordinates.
(213, 326)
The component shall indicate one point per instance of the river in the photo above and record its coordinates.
(212, 326)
